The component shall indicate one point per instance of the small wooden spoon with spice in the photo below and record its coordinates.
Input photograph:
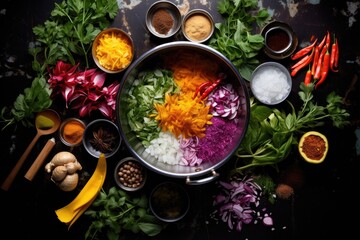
(46, 122)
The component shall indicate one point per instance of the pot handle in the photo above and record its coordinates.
(204, 180)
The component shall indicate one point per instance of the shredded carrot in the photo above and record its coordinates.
(181, 114)
(114, 51)
(190, 70)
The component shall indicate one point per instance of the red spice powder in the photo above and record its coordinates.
(314, 147)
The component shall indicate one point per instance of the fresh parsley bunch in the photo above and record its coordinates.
(70, 31)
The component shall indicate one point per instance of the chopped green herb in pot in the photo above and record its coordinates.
(149, 88)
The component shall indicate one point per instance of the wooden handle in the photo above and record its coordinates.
(40, 159)
(9, 180)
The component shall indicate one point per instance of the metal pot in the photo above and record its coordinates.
(205, 172)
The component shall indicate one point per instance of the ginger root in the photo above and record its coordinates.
(63, 168)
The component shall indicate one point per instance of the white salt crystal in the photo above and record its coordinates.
(270, 85)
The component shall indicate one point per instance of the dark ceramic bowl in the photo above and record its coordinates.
(169, 202)
(280, 40)
(129, 174)
(101, 136)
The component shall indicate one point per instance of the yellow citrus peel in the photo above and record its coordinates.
(71, 212)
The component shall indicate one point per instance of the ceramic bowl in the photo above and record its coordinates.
(71, 132)
(163, 19)
(105, 131)
(280, 40)
(198, 25)
(271, 83)
(123, 51)
(169, 201)
(129, 174)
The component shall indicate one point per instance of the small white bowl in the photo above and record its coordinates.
(271, 83)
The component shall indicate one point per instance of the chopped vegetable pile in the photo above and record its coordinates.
(177, 126)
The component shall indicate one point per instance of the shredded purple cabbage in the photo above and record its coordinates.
(219, 139)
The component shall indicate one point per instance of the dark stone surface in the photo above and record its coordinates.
(324, 200)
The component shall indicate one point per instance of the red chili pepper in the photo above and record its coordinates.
(332, 57)
(321, 44)
(316, 58)
(317, 74)
(302, 63)
(328, 39)
(302, 52)
(308, 76)
(324, 69)
(200, 89)
(210, 89)
(336, 63)
(303, 60)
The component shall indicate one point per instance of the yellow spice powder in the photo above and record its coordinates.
(197, 27)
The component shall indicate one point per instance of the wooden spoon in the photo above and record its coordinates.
(46, 122)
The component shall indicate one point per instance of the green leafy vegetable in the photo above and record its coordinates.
(34, 99)
(149, 88)
(271, 133)
(234, 37)
(70, 30)
(116, 211)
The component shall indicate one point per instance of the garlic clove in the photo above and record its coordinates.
(59, 173)
(69, 183)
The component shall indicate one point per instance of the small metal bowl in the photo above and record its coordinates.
(107, 132)
(135, 177)
(72, 137)
(163, 19)
(280, 40)
(126, 55)
(271, 83)
(197, 26)
(169, 202)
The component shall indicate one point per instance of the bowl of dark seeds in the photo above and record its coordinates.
(129, 174)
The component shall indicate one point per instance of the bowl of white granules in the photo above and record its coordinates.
(271, 83)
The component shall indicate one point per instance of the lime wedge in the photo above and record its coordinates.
(43, 122)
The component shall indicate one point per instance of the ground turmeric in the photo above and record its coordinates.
(73, 132)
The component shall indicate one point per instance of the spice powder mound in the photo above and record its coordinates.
(314, 147)
(198, 27)
(162, 21)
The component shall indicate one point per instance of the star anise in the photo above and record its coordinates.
(103, 141)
